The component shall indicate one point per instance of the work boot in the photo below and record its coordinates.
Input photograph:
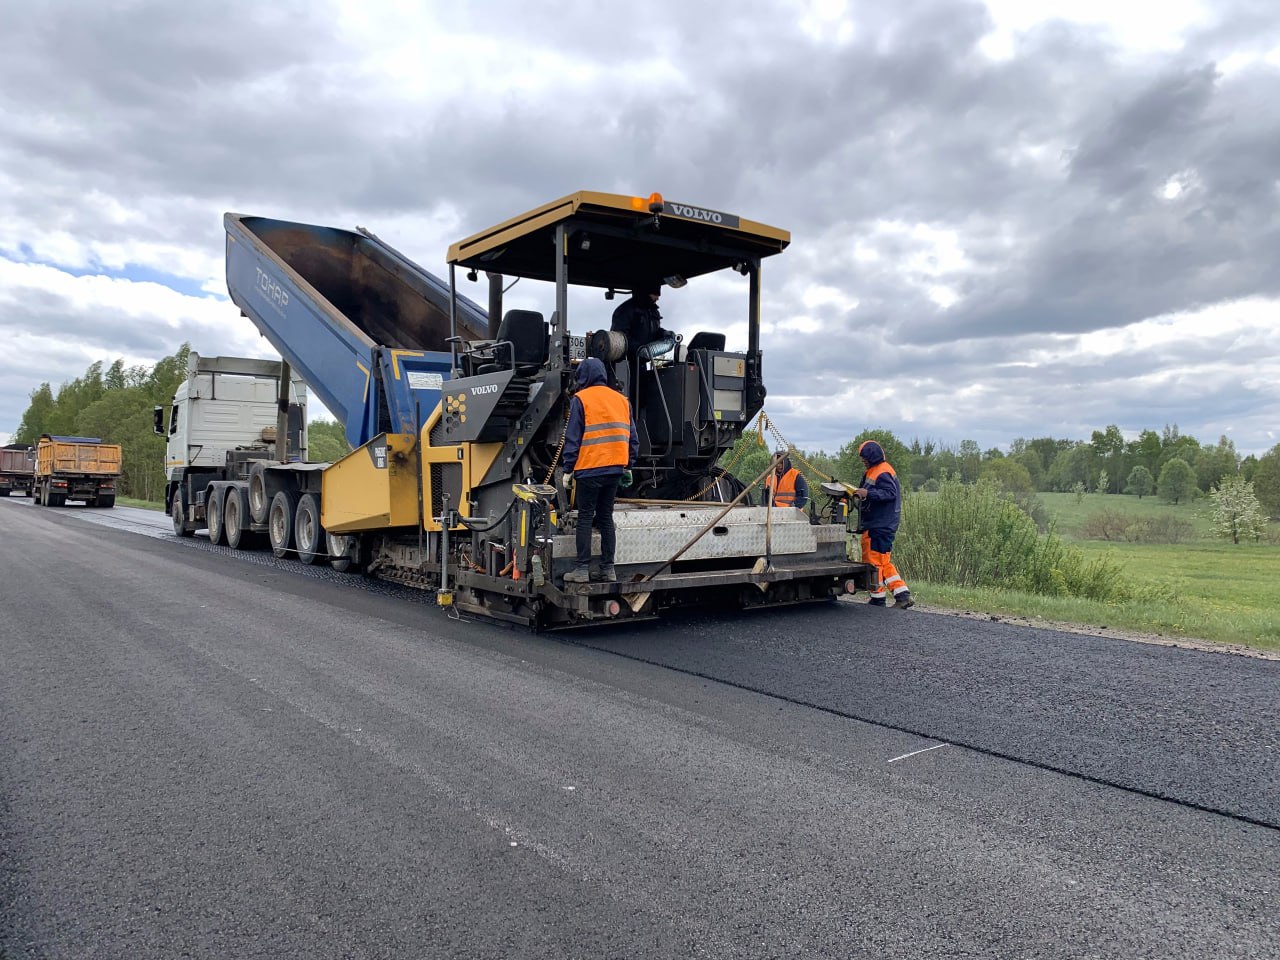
(877, 602)
(903, 600)
(604, 573)
(579, 574)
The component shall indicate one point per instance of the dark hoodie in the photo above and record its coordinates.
(590, 374)
(883, 507)
(638, 317)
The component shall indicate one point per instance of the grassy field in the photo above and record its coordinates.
(1071, 513)
(1204, 588)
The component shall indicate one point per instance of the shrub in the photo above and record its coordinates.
(1106, 525)
(1120, 527)
(973, 536)
(1169, 530)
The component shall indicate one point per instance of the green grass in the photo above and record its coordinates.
(1071, 514)
(141, 504)
(1205, 589)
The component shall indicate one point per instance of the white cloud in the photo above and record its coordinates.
(968, 234)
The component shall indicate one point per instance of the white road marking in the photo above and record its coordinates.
(914, 753)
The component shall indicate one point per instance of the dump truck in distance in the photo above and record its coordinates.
(76, 468)
(17, 469)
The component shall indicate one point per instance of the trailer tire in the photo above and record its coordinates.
(284, 506)
(4, 493)
(259, 502)
(233, 513)
(179, 516)
(342, 550)
(213, 515)
(308, 535)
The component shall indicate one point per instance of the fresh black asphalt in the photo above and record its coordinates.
(208, 755)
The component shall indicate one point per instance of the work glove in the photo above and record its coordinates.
(626, 479)
(567, 478)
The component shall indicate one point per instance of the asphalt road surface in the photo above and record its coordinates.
(211, 754)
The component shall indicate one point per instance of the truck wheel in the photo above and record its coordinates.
(213, 515)
(179, 516)
(233, 514)
(259, 502)
(284, 505)
(4, 493)
(342, 551)
(308, 535)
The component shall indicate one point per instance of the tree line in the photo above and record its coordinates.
(1169, 464)
(117, 405)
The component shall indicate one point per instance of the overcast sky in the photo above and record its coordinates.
(1010, 218)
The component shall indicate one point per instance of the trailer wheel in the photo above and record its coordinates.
(259, 502)
(233, 513)
(308, 535)
(4, 493)
(284, 505)
(213, 515)
(342, 551)
(179, 516)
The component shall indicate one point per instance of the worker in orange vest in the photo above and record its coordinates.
(600, 445)
(786, 486)
(881, 498)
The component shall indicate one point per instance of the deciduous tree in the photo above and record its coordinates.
(1236, 511)
(1177, 480)
(1266, 481)
(1140, 482)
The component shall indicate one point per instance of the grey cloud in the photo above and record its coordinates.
(180, 112)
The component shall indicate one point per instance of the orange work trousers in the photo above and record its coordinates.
(888, 576)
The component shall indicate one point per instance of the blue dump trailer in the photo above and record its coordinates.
(457, 417)
(366, 328)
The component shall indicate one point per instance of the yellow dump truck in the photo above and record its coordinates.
(76, 468)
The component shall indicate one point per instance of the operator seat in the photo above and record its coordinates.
(528, 334)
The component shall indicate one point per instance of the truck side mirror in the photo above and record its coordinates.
(157, 420)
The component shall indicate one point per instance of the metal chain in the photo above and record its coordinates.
(791, 449)
(762, 423)
(555, 461)
(728, 467)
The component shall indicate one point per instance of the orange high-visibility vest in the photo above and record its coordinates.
(606, 434)
(880, 468)
(785, 494)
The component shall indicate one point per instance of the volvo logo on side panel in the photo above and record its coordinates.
(686, 212)
(483, 389)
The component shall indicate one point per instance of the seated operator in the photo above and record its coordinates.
(638, 319)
